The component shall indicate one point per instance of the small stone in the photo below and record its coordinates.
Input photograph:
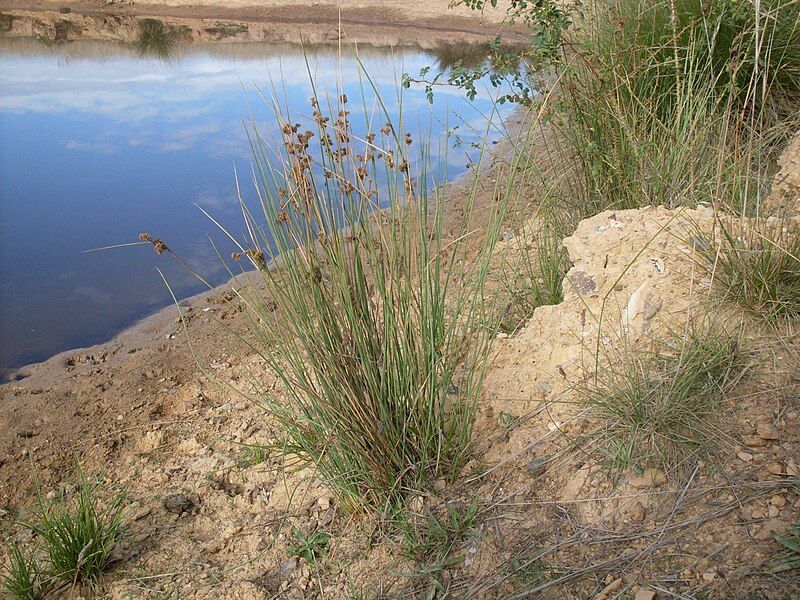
(709, 576)
(644, 594)
(649, 478)
(745, 456)
(770, 528)
(610, 589)
(753, 441)
(775, 468)
(778, 501)
(324, 503)
(637, 513)
(767, 431)
(141, 513)
(773, 512)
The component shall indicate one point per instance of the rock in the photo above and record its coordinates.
(745, 456)
(178, 504)
(610, 589)
(770, 528)
(778, 501)
(644, 594)
(649, 478)
(753, 441)
(767, 431)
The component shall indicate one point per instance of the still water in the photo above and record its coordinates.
(98, 145)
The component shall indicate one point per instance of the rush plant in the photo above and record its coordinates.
(370, 311)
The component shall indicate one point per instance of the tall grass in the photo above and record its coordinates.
(757, 265)
(674, 103)
(373, 318)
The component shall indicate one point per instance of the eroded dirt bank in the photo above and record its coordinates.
(423, 24)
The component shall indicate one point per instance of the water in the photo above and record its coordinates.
(98, 145)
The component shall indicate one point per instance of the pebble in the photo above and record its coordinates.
(745, 456)
(767, 431)
(775, 468)
(649, 478)
(644, 594)
(753, 441)
(778, 501)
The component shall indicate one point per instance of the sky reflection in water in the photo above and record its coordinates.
(98, 145)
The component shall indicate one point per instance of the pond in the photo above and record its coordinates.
(98, 144)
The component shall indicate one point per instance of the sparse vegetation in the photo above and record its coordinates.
(757, 265)
(430, 539)
(664, 405)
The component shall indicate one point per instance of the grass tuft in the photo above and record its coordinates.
(660, 407)
(374, 322)
(23, 579)
(79, 536)
(154, 39)
(758, 266)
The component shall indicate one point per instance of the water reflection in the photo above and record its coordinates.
(97, 145)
